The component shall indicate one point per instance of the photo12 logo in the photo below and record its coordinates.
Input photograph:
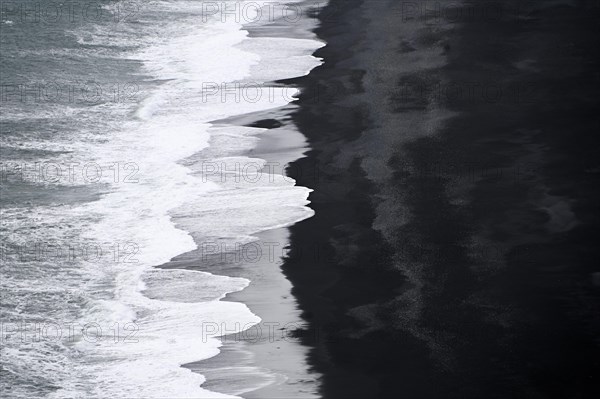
(246, 12)
(57, 12)
(27, 332)
(269, 252)
(69, 172)
(68, 252)
(265, 331)
(89, 93)
(434, 12)
(248, 92)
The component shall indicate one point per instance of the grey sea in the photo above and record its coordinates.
(111, 167)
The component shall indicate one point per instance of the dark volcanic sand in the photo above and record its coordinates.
(455, 165)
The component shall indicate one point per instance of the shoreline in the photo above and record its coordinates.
(426, 276)
(271, 352)
(261, 361)
(443, 277)
(267, 360)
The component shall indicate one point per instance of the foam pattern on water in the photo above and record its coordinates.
(152, 320)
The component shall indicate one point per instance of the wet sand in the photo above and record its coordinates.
(275, 363)
(452, 254)
(267, 360)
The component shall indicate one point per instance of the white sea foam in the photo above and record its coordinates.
(175, 315)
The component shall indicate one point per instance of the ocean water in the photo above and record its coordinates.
(102, 104)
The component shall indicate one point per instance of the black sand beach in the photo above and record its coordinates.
(454, 161)
(452, 254)
(449, 151)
